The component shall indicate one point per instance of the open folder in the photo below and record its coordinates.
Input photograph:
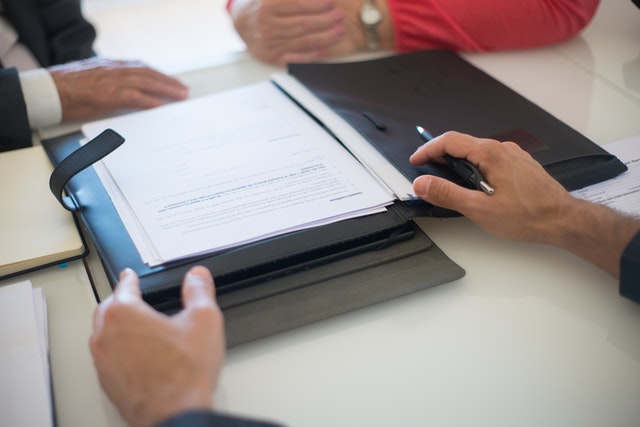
(282, 277)
(384, 99)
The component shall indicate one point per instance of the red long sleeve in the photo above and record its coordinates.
(475, 25)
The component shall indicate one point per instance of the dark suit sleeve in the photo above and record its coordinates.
(55, 31)
(630, 270)
(69, 35)
(212, 419)
(15, 131)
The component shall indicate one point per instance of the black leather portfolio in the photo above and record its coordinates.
(384, 99)
(268, 286)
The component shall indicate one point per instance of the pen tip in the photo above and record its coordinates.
(419, 128)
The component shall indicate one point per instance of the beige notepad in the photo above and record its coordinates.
(35, 230)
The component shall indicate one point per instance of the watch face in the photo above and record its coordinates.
(370, 15)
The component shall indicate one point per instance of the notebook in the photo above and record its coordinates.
(35, 230)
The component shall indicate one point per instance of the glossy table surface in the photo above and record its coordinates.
(530, 336)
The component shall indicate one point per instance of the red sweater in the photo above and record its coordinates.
(481, 25)
(477, 25)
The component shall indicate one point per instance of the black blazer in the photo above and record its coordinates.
(55, 32)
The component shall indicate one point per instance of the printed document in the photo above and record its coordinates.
(231, 168)
(622, 192)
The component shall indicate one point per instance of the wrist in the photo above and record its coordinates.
(593, 232)
(152, 415)
(374, 24)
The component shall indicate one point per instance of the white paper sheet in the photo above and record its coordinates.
(228, 169)
(25, 390)
(622, 192)
(376, 163)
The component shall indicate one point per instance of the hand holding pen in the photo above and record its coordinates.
(464, 168)
(528, 203)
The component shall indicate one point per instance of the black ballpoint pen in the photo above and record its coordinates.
(464, 168)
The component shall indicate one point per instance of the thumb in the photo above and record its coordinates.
(198, 287)
(443, 193)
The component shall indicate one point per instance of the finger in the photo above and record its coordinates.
(135, 98)
(316, 41)
(198, 288)
(444, 193)
(156, 84)
(452, 143)
(98, 315)
(293, 27)
(299, 7)
(128, 287)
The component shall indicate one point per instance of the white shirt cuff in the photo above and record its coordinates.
(41, 97)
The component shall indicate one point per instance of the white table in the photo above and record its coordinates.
(531, 336)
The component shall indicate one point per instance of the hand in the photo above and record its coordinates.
(152, 366)
(287, 31)
(528, 204)
(91, 88)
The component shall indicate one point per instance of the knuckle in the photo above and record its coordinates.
(207, 313)
(450, 134)
(439, 190)
(113, 311)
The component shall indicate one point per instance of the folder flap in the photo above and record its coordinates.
(384, 99)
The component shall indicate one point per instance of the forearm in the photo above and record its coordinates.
(593, 232)
(470, 25)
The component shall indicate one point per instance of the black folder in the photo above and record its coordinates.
(384, 99)
(274, 284)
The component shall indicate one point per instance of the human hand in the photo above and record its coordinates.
(528, 204)
(96, 86)
(287, 31)
(153, 366)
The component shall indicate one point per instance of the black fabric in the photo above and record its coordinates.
(53, 30)
(440, 91)
(630, 270)
(15, 131)
(212, 419)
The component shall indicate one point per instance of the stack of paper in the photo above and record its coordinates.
(25, 388)
(229, 169)
(622, 192)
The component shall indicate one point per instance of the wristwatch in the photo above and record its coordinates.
(370, 16)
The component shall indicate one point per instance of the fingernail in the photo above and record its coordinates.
(195, 276)
(127, 272)
(419, 186)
